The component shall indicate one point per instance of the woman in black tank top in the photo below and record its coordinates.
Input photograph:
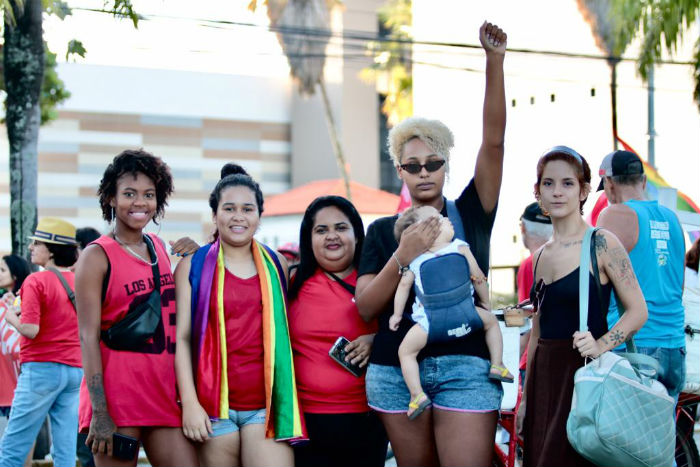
(557, 348)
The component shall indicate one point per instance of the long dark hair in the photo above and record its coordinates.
(307, 262)
(19, 270)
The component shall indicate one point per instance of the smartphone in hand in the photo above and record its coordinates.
(338, 354)
(124, 447)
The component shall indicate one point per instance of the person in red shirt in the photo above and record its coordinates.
(225, 405)
(343, 431)
(536, 229)
(13, 270)
(51, 372)
(131, 392)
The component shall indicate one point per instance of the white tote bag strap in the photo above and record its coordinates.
(583, 281)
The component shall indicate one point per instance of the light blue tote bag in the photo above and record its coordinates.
(620, 416)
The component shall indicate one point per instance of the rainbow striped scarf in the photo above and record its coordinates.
(283, 419)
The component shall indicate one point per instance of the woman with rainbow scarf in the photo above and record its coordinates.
(234, 361)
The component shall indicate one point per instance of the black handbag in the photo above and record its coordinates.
(140, 324)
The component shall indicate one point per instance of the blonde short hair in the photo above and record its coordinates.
(433, 133)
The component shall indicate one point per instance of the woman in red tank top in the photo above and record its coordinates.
(131, 392)
(229, 424)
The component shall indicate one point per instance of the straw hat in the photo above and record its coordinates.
(54, 230)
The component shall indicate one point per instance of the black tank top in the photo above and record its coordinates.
(558, 306)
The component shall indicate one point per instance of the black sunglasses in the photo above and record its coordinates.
(430, 166)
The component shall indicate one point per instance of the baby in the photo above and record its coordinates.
(451, 312)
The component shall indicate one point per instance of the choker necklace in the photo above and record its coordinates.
(153, 263)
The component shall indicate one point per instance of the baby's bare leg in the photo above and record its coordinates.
(492, 332)
(412, 343)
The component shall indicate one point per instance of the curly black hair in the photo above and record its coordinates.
(133, 161)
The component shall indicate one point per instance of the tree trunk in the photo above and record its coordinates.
(23, 60)
(612, 62)
(333, 132)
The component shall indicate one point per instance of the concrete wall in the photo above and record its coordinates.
(196, 122)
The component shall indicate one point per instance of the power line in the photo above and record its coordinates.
(326, 34)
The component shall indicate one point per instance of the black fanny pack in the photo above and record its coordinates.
(142, 321)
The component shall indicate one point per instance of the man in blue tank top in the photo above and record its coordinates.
(654, 240)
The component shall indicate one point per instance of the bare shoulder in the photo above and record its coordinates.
(182, 270)
(92, 261)
(616, 216)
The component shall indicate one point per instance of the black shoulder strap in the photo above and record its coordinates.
(594, 265)
(154, 266)
(343, 284)
(534, 270)
(69, 291)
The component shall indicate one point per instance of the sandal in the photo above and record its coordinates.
(501, 373)
(418, 405)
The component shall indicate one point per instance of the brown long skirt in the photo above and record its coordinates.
(550, 386)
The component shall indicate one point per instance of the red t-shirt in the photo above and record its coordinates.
(9, 360)
(244, 341)
(525, 279)
(322, 312)
(46, 304)
(140, 387)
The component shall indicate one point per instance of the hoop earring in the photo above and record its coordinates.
(544, 211)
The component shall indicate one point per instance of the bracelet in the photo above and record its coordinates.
(402, 269)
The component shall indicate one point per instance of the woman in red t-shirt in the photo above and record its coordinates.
(342, 428)
(13, 270)
(224, 362)
(131, 392)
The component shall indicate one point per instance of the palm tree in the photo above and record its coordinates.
(612, 35)
(303, 32)
(660, 22)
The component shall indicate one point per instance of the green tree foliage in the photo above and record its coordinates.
(662, 25)
(391, 69)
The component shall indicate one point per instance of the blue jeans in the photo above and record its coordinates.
(672, 363)
(43, 388)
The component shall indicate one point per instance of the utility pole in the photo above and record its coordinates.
(651, 132)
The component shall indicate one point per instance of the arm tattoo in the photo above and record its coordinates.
(605, 341)
(97, 393)
(619, 264)
(617, 336)
(600, 243)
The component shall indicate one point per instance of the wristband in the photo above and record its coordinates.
(402, 269)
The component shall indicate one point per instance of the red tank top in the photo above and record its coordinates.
(244, 343)
(140, 387)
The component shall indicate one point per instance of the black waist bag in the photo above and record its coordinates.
(139, 324)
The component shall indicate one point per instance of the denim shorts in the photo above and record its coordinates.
(453, 382)
(237, 419)
(672, 363)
